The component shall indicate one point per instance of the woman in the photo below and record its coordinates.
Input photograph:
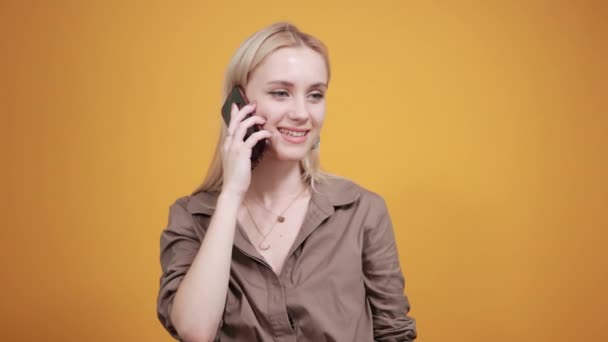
(283, 251)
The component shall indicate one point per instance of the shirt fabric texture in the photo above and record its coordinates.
(341, 280)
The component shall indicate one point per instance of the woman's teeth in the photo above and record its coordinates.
(292, 133)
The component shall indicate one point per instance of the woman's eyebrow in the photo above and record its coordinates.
(289, 84)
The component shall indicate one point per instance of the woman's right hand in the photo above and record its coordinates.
(236, 159)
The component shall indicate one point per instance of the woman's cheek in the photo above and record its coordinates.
(271, 114)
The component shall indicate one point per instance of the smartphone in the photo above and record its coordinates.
(237, 95)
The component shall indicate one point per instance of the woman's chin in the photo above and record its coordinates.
(293, 154)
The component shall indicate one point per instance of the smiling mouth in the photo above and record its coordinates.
(293, 133)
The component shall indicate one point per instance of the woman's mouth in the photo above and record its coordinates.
(294, 136)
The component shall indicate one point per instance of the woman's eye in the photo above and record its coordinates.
(317, 96)
(279, 93)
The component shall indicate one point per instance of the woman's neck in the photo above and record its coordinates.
(274, 181)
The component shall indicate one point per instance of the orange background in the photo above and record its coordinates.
(483, 124)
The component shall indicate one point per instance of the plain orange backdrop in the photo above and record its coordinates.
(483, 124)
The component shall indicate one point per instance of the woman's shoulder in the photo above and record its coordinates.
(202, 202)
(183, 212)
(342, 190)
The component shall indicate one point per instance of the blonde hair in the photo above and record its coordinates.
(246, 58)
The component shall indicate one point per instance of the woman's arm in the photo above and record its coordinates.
(384, 282)
(192, 307)
(195, 275)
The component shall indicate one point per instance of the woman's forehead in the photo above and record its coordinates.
(294, 65)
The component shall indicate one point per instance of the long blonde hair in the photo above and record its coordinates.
(246, 58)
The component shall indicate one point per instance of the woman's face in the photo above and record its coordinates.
(289, 88)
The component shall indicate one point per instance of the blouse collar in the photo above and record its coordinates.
(333, 192)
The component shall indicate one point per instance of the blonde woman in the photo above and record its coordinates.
(283, 251)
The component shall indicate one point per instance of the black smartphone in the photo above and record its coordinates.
(237, 95)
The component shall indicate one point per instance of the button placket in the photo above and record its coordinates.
(278, 315)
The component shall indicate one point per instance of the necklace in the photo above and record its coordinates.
(280, 217)
(264, 245)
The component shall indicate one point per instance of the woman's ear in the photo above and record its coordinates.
(317, 143)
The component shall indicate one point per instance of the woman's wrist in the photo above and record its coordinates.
(230, 198)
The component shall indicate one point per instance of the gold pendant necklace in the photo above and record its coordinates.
(280, 218)
(265, 245)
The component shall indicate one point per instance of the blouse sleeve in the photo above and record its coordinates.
(179, 244)
(384, 282)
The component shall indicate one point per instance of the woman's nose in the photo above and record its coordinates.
(299, 111)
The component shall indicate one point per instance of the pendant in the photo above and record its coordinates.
(281, 219)
(264, 245)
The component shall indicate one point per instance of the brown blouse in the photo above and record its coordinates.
(341, 280)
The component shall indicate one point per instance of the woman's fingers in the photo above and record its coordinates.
(246, 124)
(257, 136)
(236, 116)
